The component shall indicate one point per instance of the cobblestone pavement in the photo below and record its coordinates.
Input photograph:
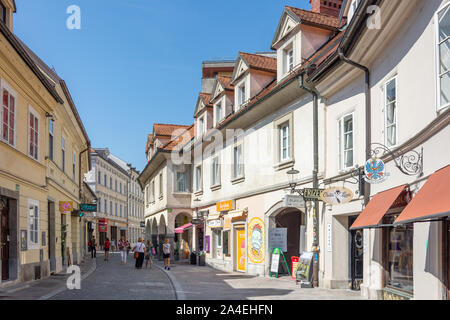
(113, 281)
(205, 283)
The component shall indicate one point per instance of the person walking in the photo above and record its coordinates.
(123, 247)
(139, 253)
(113, 245)
(93, 248)
(149, 255)
(128, 247)
(167, 248)
(107, 248)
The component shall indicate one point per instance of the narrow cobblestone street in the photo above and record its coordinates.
(113, 281)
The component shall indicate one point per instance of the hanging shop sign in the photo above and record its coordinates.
(215, 223)
(197, 222)
(294, 201)
(88, 207)
(311, 194)
(256, 240)
(278, 239)
(65, 206)
(225, 206)
(102, 225)
(337, 195)
(375, 171)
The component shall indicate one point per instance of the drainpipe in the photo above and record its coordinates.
(315, 176)
(368, 114)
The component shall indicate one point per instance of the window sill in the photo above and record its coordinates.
(181, 193)
(198, 193)
(284, 165)
(161, 197)
(216, 187)
(238, 180)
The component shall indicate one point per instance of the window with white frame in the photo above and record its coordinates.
(198, 178)
(218, 112)
(8, 121)
(33, 134)
(288, 63)
(63, 153)
(443, 51)
(346, 142)
(161, 186)
(74, 165)
(50, 138)
(215, 171)
(390, 112)
(33, 223)
(241, 94)
(181, 181)
(152, 198)
(238, 163)
(285, 152)
(201, 126)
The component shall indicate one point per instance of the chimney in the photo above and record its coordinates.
(327, 7)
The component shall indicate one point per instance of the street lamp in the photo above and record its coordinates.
(292, 176)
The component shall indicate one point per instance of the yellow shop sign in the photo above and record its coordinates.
(225, 206)
(65, 206)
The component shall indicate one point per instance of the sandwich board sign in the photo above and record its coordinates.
(275, 265)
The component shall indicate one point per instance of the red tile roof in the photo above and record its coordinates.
(205, 98)
(259, 62)
(175, 144)
(160, 129)
(317, 18)
(225, 82)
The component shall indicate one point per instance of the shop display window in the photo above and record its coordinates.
(400, 256)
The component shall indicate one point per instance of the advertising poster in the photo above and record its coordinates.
(241, 250)
(256, 240)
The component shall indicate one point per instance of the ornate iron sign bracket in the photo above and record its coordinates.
(409, 163)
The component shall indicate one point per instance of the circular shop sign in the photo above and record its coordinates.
(375, 171)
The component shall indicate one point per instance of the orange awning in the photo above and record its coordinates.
(431, 202)
(375, 210)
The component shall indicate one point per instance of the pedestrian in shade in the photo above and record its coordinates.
(123, 247)
(107, 247)
(149, 255)
(167, 248)
(139, 253)
(93, 248)
(128, 247)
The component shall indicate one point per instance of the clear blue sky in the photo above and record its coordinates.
(138, 62)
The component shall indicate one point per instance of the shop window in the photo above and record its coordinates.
(226, 243)
(400, 256)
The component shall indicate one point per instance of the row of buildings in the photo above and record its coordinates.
(350, 105)
(44, 154)
(46, 170)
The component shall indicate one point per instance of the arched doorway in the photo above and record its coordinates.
(183, 241)
(154, 232)
(293, 219)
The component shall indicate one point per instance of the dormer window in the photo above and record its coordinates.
(241, 94)
(218, 112)
(288, 63)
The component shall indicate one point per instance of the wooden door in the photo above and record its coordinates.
(4, 241)
(240, 249)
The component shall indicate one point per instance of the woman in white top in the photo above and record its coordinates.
(139, 253)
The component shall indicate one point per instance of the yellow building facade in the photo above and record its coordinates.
(43, 158)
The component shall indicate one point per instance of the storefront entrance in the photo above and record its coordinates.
(5, 242)
(292, 220)
(240, 246)
(356, 255)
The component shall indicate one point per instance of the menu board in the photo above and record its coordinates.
(275, 263)
(278, 239)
